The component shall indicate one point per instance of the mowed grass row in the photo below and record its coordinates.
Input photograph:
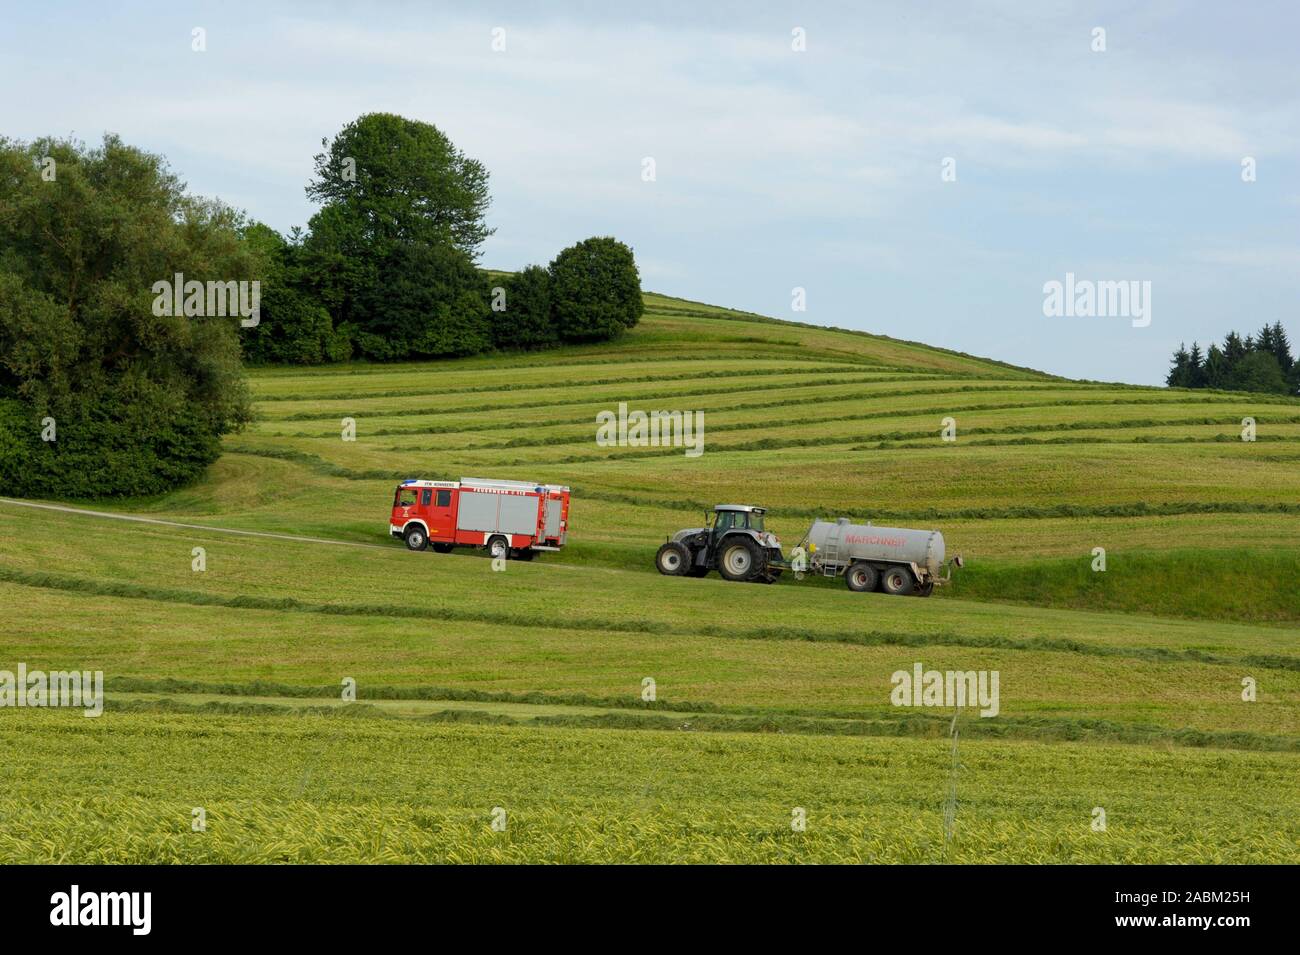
(994, 427)
(259, 493)
(761, 389)
(439, 392)
(853, 460)
(693, 341)
(959, 479)
(389, 581)
(1106, 693)
(322, 789)
(764, 396)
(950, 481)
(273, 388)
(693, 322)
(873, 408)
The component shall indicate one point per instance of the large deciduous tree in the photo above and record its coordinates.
(99, 395)
(397, 194)
(403, 181)
(595, 290)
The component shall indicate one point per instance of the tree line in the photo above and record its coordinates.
(108, 389)
(387, 268)
(1261, 362)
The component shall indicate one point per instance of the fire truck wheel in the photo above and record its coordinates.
(673, 559)
(415, 537)
(443, 548)
(523, 553)
(897, 581)
(741, 559)
(499, 547)
(861, 577)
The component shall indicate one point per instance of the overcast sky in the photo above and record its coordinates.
(775, 168)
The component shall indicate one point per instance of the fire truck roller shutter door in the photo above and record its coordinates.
(477, 512)
(518, 514)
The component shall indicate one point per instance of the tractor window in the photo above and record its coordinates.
(426, 497)
(444, 498)
(755, 522)
(726, 520)
(406, 497)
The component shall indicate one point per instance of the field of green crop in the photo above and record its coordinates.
(520, 695)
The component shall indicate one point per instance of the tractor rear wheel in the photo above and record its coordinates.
(861, 577)
(897, 580)
(673, 559)
(742, 559)
(415, 537)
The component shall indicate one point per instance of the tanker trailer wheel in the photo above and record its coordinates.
(415, 537)
(897, 581)
(499, 547)
(741, 559)
(861, 577)
(673, 559)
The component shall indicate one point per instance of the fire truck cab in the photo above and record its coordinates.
(509, 518)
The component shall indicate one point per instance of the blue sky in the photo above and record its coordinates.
(775, 168)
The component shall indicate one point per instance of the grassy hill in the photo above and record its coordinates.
(523, 689)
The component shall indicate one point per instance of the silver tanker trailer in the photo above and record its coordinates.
(898, 560)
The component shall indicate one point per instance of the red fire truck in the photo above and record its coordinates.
(510, 518)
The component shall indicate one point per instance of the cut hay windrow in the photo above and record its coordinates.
(903, 724)
(134, 591)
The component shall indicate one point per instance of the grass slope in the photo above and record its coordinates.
(522, 690)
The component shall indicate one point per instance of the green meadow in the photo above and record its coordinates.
(228, 689)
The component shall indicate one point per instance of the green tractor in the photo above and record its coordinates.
(732, 542)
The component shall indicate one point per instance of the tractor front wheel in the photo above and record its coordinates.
(673, 559)
(741, 559)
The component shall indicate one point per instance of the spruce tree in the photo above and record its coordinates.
(1282, 348)
(1264, 340)
(1215, 368)
(1195, 367)
(1179, 371)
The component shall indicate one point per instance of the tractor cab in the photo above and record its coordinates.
(729, 517)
